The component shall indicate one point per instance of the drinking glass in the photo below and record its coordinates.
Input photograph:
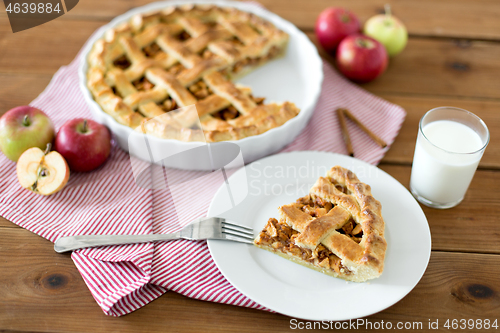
(450, 144)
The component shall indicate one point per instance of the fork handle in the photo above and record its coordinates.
(69, 243)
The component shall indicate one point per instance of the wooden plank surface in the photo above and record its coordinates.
(452, 58)
(473, 225)
(48, 290)
(20, 89)
(464, 69)
(438, 18)
(44, 49)
(439, 67)
(403, 148)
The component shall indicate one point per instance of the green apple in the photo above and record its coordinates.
(22, 128)
(388, 30)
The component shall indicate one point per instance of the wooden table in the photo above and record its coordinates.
(452, 58)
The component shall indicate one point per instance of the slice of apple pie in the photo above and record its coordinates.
(336, 229)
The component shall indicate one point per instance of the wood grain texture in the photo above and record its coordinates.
(20, 89)
(4, 223)
(49, 291)
(439, 18)
(44, 49)
(439, 67)
(471, 226)
(403, 148)
(426, 66)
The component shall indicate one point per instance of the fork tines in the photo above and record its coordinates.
(237, 232)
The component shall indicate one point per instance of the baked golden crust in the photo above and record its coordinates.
(339, 216)
(183, 56)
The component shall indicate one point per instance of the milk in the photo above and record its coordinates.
(445, 161)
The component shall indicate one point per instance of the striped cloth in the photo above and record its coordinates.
(107, 201)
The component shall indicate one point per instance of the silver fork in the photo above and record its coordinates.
(202, 228)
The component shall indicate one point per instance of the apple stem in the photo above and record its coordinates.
(84, 129)
(47, 149)
(345, 18)
(363, 43)
(26, 120)
(387, 8)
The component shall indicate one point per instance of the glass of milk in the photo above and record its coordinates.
(450, 144)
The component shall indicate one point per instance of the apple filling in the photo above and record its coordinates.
(200, 90)
(183, 36)
(226, 114)
(279, 236)
(168, 105)
(143, 84)
(122, 62)
(152, 50)
(116, 92)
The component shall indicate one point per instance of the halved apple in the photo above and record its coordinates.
(42, 172)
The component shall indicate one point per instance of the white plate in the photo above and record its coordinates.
(296, 77)
(297, 291)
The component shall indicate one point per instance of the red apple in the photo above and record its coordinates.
(361, 58)
(84, 143)
(333, 25)
(22, 128)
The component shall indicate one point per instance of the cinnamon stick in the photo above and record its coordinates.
(345, 132)
(372, 135)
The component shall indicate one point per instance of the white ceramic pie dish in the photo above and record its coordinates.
(297, 77)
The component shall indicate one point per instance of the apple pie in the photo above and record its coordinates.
(336, 229)
(182, 56)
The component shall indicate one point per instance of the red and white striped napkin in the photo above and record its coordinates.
(108, 201)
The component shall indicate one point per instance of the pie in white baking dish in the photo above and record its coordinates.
(158, 62)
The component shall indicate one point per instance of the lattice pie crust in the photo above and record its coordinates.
(336, 229)
(182, 56)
